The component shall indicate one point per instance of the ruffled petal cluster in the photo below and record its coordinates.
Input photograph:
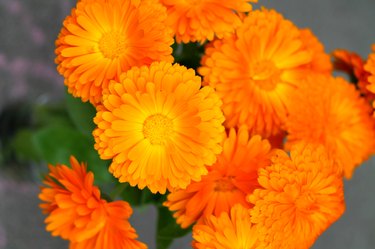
(299, 198)
(255, 70)
(159, 126)
(77, 213)
(353, 64)
(228, 181)
(370, 68)
(103, 38)
(331, 112)
(201, 20)
(231, 230)
(321, 61)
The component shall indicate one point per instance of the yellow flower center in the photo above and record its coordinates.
(265, 74)
(224, 185)
(157, 128)
(112, 44)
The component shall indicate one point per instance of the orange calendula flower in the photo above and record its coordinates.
(201, 20)
(370, 68)
(299, 198)
(329, 111)
(159, 126)
(103, 38)
(255, 70)
(353, 64)
(227, 183)
(77, 213)
(231, 230)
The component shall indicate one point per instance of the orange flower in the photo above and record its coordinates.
(255, 70)
(77, 213)
(370, 68)
(228, 182)
(353, 64)
(299, 198)
(329, 111)
(231, 230)
(103, 38)
(201, 20)
(321, 62)
(159, 127)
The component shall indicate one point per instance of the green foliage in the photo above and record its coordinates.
(81, 114)
(55, 144)
(59, 131)
(167, 229)
(136, 196)
(189, 54)
(51, 114)
(22, 144)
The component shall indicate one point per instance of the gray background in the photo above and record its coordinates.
(28, 29)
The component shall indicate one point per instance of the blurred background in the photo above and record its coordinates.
(28, 76)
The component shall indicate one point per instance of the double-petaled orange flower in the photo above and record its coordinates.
(77, 213)
(227, 183)
(299, 198)
(331, 112)
(231, 230)
(255, 70)
(201, 20)
(159, 126)
(103, 38)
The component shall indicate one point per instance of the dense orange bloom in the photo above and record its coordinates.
(231, 230)
(321, 61)
(370, 68)
(227, 183)
(77, 213)
(103, 38)
(353, 64)
(330, 111)
(159, 126)
(299, 198)
(201, 20)
(255, 70)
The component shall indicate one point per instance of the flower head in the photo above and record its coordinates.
(231, 230)
(255, 70)
(329, 111)
(103, 38)
(227, 183)
(159, 126)
(201, 20)
(77, 213)
(299, 198)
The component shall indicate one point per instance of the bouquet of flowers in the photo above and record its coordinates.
(224, 115)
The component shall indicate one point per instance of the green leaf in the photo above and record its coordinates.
(21, 145)
(51, 114)
(168, 229)
(136, 196)
(189, 54)
(55, 144)
(81, 114)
